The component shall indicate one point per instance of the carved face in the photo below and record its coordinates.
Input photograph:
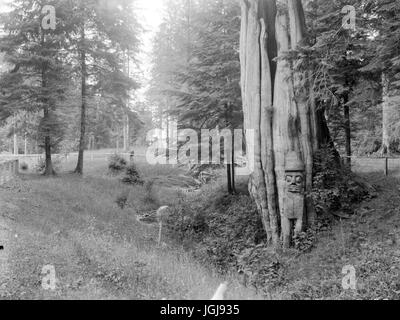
(295, 182)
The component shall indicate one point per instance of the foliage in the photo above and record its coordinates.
(262, 268)
(219, 228)
(132, 176)
(198, 73)
(116, 164)
(335, 188)
(306, 241)
(42, 69)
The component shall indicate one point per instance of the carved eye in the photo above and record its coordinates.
(289, 179)
(299, 179)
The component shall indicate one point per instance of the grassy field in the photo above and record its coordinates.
(98, 250)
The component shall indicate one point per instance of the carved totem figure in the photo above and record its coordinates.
(294, 204)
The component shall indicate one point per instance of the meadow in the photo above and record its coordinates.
(99, 251)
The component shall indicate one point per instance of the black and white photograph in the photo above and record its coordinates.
(213, 151)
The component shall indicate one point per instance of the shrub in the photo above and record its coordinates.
(132, 176)
(122, 200)
(217, 228)
(24, 166)
(335, 188)
(261, 268)
(116, 164)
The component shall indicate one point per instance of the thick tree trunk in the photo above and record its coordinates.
(279, 113)
(79, 166)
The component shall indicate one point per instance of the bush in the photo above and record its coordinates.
(261, 268)
(122, 200)
(335, 188)
(132, 176)
(116, 164)
(24, 166)
(217, 228)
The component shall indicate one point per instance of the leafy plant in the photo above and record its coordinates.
(24, 166)
(217, 228)
(335, 188)
(132, 176)
(116, 164)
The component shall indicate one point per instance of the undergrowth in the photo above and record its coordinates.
(226, 231)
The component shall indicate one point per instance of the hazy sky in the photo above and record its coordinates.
(150, 15)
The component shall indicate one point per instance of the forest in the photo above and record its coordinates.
(145, 148)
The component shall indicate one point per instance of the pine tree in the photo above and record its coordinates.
(103, 33)
(38, 78)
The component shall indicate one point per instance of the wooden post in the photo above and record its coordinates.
(386, 166)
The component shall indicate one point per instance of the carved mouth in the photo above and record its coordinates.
(294, 189)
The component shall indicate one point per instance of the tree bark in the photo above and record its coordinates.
(15, 137)
(280, 114)
(233, 171)
(49, 170)
(79, 166)
(385, 149)
(347, 131)
(229, 178)
(25, 144)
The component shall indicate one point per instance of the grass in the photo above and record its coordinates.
(98, 250)
(101, 252)
(369, 242)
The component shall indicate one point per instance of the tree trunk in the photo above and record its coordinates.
(47, 147)
(25, 144)
(229, 178)
(49, 170)
(347, 131)
(279, 113)
(128, 134)
(233, 164)
(15, 137)
(385, 149)
(79, 166)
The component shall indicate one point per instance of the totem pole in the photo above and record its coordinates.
(294, 204)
